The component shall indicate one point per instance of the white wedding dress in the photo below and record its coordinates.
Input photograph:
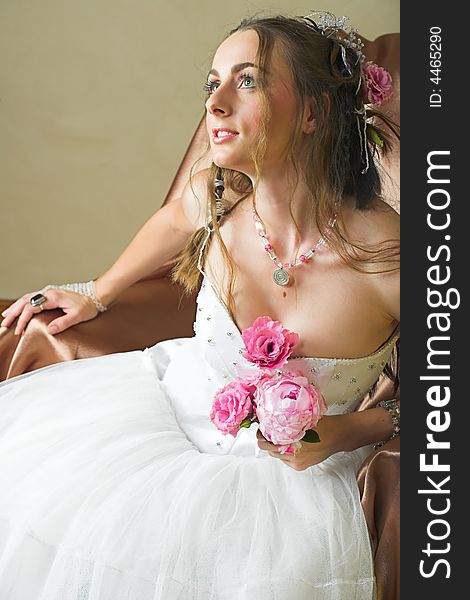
(116, 485)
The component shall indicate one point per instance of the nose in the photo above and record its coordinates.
(219, 102)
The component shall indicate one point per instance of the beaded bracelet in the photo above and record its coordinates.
(392, 407)
(85, 289)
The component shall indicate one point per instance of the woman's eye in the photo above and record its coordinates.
(209, 85)
(249, 78)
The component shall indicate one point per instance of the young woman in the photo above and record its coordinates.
(116, 484)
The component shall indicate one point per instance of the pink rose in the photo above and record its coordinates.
(232, 404)
(286, 407)
(378, 83)
(268, 344)
(256, 379)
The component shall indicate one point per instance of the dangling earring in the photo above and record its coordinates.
(361, 120)
(218, 191)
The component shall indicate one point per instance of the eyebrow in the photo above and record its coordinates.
(235, 69)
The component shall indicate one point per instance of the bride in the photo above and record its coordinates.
(115, 482)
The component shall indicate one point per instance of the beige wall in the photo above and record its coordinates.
(98, 102)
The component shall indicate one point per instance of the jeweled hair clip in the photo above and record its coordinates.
(328, 25)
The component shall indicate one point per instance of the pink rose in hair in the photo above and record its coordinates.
(268, 344)
(232, 405)
(378, 83)
(286, 407)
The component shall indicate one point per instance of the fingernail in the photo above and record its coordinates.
(4, 312)
(52, 329)
(17, 331)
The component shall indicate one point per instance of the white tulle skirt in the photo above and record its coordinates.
(104, 497)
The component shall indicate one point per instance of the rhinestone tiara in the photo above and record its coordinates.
(328, 25)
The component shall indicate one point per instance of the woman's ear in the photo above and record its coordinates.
(309, 121)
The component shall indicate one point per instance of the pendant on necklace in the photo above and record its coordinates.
(280, 276)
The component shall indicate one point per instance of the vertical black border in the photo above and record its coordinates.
(426, 129)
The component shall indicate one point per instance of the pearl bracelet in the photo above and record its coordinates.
(85, 289)
(392, 407)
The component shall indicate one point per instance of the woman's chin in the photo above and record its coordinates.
(224, 162)
(228, 162)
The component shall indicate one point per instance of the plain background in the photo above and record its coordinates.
(98, 102)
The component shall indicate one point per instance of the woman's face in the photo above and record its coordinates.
(234, 105)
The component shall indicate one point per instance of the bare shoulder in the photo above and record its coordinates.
(194, 198)
(376, 232)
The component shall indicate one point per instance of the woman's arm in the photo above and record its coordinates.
(162, 237)
(357, 429)
(338, 433)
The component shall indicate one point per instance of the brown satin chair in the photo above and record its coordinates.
(154, 309)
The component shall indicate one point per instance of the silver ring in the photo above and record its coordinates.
(37, 300)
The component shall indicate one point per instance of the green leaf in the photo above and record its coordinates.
(374, 136)
(311, 436)
(246, 422)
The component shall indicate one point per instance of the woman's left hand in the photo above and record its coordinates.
(331, 433)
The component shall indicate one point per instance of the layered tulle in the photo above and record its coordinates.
(104, 497)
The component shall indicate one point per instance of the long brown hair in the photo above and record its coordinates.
(334, 161)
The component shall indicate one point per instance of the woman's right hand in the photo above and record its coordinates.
(77, 308)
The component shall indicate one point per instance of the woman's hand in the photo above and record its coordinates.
(77, 308)
(330, 430)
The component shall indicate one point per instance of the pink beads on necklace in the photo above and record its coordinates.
(302, 259)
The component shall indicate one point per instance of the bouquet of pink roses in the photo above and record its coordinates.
(285, 404)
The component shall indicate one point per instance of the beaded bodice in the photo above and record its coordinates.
(343, 381)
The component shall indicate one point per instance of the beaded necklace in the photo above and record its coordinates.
(281, 274)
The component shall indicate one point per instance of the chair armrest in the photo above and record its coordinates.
(146, 313)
